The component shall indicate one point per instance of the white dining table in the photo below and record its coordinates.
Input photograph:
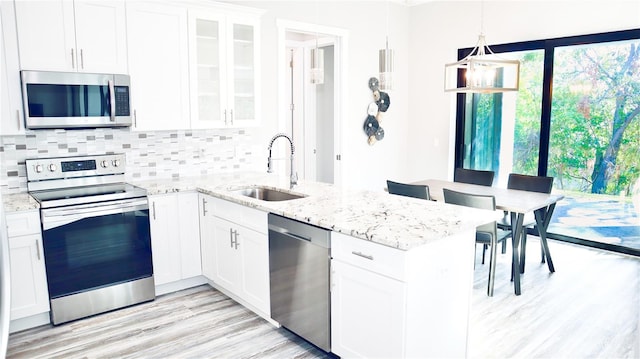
(517, 203)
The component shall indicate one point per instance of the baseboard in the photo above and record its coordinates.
(244, 303)
(180, 285)
(33, 321)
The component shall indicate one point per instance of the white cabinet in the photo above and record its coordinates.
(11, 119)
(224, 68)
(79, 35)
(390, 303)
(235, 250)
(368, 307)
(175, 237)
(159, 65)
(29, 293)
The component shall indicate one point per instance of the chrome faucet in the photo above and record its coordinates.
(293, 177)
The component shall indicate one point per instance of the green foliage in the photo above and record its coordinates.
(594, 91)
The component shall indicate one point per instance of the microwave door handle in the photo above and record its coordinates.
(112, 98)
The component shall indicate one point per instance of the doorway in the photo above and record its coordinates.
(312, 113)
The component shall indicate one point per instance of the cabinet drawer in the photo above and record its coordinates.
(371, 256)
(23, 223)
(239, 214)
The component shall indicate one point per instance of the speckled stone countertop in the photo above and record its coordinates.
(395, 221)
(16, 202)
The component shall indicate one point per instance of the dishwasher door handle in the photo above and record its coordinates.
(286, 232)
(296, 236)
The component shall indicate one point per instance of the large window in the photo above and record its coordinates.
(576, 117)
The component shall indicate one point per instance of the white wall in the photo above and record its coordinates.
(364, 166)
(438, 29)
(420, 124)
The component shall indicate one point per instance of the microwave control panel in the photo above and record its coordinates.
(122, 100)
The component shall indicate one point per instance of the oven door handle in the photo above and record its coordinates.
(56, 217)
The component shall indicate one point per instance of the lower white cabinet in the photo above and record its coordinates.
(29, 293)
(390, 303)
(367, 313)
(235, 250)
(175, 236)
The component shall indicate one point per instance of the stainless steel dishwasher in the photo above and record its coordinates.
(299, 260)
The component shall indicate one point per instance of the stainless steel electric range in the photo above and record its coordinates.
(95, 233)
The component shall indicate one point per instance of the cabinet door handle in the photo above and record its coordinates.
(236, 242)
(225, 116)
(38, 249)
(18, 119)
(231, 111)
(231, 237)
(135, 119)
(81, 60)
(360, 254)
(204, 208)
(153, 205)
(73, 59)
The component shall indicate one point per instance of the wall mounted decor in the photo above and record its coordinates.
(375, 111)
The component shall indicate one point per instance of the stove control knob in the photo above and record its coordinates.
(52, 167)
(115, 163)
(39, 168)
(104, 164)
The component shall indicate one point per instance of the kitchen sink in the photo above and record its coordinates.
(267, 194)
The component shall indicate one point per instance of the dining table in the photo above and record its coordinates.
(517, 203)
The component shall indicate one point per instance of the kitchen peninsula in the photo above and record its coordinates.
(408, 296)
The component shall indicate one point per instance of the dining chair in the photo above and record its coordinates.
(479, 177)
(541, 184)
(409, 190)
(487, 234)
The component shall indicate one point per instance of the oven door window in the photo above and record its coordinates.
(97, 251)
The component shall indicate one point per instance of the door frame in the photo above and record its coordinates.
(341, 74)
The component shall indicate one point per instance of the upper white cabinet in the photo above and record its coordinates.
(159, 65)
(11, 119)
(79, 35)
(224, 69)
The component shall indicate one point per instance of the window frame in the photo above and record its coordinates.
(548, 46)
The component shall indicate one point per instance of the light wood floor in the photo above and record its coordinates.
(589, 308)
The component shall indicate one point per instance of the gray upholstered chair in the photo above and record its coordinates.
(409, 190)
(487, 234)
(479, 177)
(541, 184)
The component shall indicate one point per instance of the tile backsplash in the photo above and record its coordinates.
(159, 154)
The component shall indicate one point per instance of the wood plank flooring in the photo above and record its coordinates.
(589, 308)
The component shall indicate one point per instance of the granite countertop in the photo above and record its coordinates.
(395, 221)
(16, 202)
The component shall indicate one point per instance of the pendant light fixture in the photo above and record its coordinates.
(385, 62)
(316, 73)
(482, 71)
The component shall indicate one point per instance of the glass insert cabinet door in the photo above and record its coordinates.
(223, 53)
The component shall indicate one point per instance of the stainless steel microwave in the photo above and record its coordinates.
(75, 100)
